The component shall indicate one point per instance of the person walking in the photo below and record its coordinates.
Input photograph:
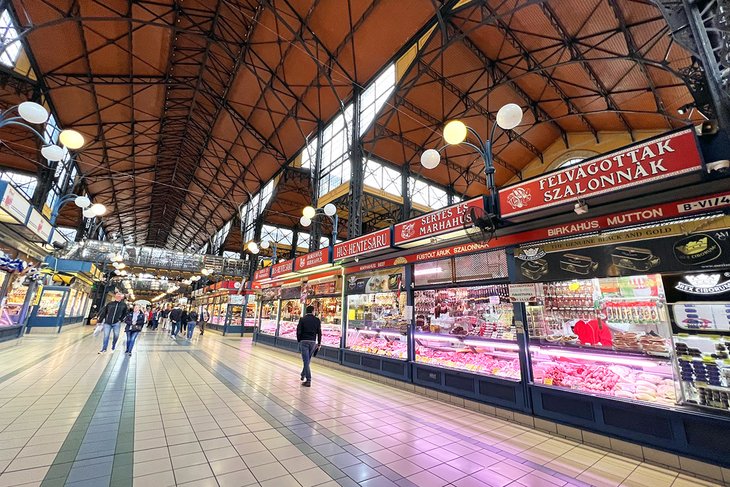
(165, 317)
(203, 318)
(192, 320)
(309, 329)
(174, 317)
(111, 316)
(133, 324)
(184, 320)
(155, 317)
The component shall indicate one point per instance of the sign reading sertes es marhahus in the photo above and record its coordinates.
(438, 222)
(661, 158)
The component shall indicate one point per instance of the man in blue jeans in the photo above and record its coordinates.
(111, 316)
(192, 320)
(309, 329)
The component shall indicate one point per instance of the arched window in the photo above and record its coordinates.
(571, 158)
(571, 162)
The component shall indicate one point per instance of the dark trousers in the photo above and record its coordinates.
(307, 347)
(201, 324)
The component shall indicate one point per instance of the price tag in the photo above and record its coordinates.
(548, 381)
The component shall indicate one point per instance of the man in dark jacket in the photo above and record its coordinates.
(192, 320)
(111, 316)
(175, 317)
(309, 329)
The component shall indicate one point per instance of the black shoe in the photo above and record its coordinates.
(307, 384)
(301, 377)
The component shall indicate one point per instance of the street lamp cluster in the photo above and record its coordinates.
(456, 132)
(31, 113)
(309, 213)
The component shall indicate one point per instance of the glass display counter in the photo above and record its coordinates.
(700, 313)
(376, 324)
(469, 329)
(291, 311)
(250, 319)
(329, 311)
(607, 336)
(269, 316)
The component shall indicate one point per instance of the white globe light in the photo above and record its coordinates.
(509, 116)
(265, 244)
(455, 132)
(88, 213)
(304, 221)
(53, 152)
(33, 112)
(253, 248)
(98, 209)
(309, 212)
(71, 139)
(82, 202)
(430, 158)
(330, 209)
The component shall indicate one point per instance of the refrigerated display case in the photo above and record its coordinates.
(291, 311)
(329, 310)
(469, 329)
(700, 313)
(604, 336)
(269, 317)
(377, 325)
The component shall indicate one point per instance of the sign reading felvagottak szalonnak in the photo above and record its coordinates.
(668, 156)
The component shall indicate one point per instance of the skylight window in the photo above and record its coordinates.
(8, 37)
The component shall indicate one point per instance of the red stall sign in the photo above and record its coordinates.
(282, 268)
(447, 220)
(313, 259)
(665, 157)
(367, 243)
(262, 274)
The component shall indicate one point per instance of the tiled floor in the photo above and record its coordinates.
(221, 412)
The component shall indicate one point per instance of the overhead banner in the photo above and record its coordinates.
(39, 225)
(367, 243)
(262, 274)
(13, 203)
(437, 223)
(671, 248)
(656, 159)
(311, 260)
(282, 268)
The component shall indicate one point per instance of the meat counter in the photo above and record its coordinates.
(291, 311)
(608, 336)
(376, 324)
(469, 329)
(269, 316)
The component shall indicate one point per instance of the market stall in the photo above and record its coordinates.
(465, 340)
(225, 303)
(325, 294)
(269, 316)
(614, 347)
(66, 299)
(377, 331)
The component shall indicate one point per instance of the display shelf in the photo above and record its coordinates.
(703, 366)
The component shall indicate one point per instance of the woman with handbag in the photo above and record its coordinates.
(134, 322)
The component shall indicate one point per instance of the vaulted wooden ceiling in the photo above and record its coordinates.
(191, 106)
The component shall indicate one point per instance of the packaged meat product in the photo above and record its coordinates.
(624, 394)
(654, 379)
(645, 397)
